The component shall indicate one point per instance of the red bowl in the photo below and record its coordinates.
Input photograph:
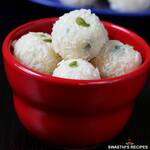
(74, 113)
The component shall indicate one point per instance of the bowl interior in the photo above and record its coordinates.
(114, 31)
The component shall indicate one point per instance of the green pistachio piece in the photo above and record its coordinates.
(73, 64)
(81, 22)
(88, 46)
(47, 40)
(129, 46)
(117, 47)
(42, 35)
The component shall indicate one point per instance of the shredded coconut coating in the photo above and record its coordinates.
(34, 50)
(117, 59)
(76, 69)
(71, 40)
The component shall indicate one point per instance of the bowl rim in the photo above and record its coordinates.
(11, 60)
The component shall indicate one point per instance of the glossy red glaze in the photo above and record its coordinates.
(74, 113)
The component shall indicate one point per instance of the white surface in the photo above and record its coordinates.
(82, 70)
(32, 51)
(113, 62)
(71, 40)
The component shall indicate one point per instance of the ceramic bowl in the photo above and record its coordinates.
(74, 113)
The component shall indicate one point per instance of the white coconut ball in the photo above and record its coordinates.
(129, 5)
(117, 59)
(34, 51)
(78, 34)
(77, 2)
(76, 69)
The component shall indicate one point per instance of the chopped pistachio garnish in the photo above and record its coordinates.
(73, 64)
(129, 46)
(118, 47)
(42, 35)
(47, 40)
(88, 46)
(81, 22)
